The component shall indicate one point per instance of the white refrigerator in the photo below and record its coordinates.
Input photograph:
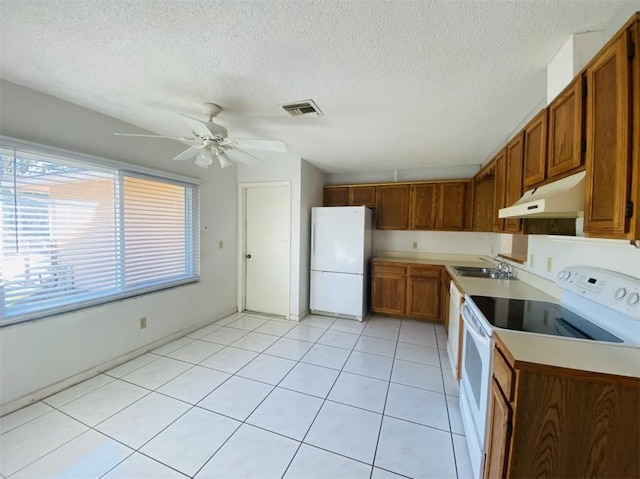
(340, 252)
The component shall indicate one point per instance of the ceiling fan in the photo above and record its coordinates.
(211, 142)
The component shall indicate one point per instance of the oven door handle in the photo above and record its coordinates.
(478, 336)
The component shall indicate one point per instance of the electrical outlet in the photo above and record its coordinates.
(549, 264)
(143, 322)
(220, 244)
(414, 245)
(531, 260)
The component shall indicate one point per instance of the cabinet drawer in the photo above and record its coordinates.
(503, 374)
(423, 272)
(390, 269)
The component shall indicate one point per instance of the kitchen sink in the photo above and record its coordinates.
(477, 272)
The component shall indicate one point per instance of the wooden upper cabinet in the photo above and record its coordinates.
(452, 205)
(500, 188)
(513, 189)
(335, 196)
(362, 196)
(424, 206)
(566, 127)
(484, 198)
(535, 150)
(392, 207)
(608, 156)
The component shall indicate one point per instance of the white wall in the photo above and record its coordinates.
(446, 242)
(426, 173)
(311, 183)
(39, 354)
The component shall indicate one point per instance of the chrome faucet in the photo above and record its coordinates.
(504, 269)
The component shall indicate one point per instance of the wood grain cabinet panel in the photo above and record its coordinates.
(362, 196)
(335, 196)
(513, 187)
(535, 150)
(499, 434)
(389, 289)
(566, 127)
(424, 206)
(483, 209)
(500, 188)
(608, 156)
(423, 298)
(452, 205)
(392, 207)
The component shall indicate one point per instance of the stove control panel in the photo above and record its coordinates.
(608, 288)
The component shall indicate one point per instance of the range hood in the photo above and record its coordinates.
(561, 199)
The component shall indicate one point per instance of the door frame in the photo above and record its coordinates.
(242, 240)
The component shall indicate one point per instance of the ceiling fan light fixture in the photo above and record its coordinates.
(204, 158)
(224, 160)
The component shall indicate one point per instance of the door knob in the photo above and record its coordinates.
(248, 256)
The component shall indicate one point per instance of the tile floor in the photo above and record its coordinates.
(256, 397)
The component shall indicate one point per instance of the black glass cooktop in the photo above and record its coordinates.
(539, 317)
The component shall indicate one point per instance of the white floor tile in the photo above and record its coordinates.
(414, 450)
(173, 345)
(382, 474)
(251, 453)
(79, 390)
(382, 331)
(339, 339)
(455, 418)
(23, 416)
(313, 463)
(224, 335)
(195, 384)
(89, 455)
(267, 369)
(327, 356)
(155, 374)
(276, 328)
(442, 341)
(305, 333)
(417, 405)
(188, 443)
(204, 331)
(451, 386)
(29, 442)
(412, 336)
(230, 360)
(418, 326)
(102, 403)
(229, 319)
(360, 391)
(348, 325)
(132, 365)
(236, 398)
(310, 379)
(138, 466)
(463, 462)
(255, 342)
(289, 348)
(381, 347)
(286, 412)
(317, 321)
(444, 359)
(142, 420)
(418, 354)
(248, 323)
(346, 430)
(196, 352)
(418, 375)
(370, 365)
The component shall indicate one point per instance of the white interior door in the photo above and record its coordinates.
(267, 249)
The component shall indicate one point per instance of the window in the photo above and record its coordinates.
(77, 232)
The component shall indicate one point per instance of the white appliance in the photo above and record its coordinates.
(453, 334)
(340, 252)
(596, 304)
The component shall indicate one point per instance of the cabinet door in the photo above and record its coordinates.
(424, 206)
(483, 205)
(566, 130)
(452, 205)
(388, 289)
(392, 207)
(424, 293)
(535, 150)
(608, 152)
(515, 156)
(335, 196)
(500, 188)
(499, 435)
(362, 196)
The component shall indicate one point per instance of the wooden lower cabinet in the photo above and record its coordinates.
(561, 422)
(410, 291)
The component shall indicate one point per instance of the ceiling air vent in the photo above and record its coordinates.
(303, 108)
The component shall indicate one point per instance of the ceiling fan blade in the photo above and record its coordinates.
(255, 144)
(188, 154)
(197, 126)
(241, 155)
(181, 138)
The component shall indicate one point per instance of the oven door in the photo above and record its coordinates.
(475, 381)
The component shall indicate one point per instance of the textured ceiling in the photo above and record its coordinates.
(402, 84)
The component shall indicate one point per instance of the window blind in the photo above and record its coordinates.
(75, 234)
